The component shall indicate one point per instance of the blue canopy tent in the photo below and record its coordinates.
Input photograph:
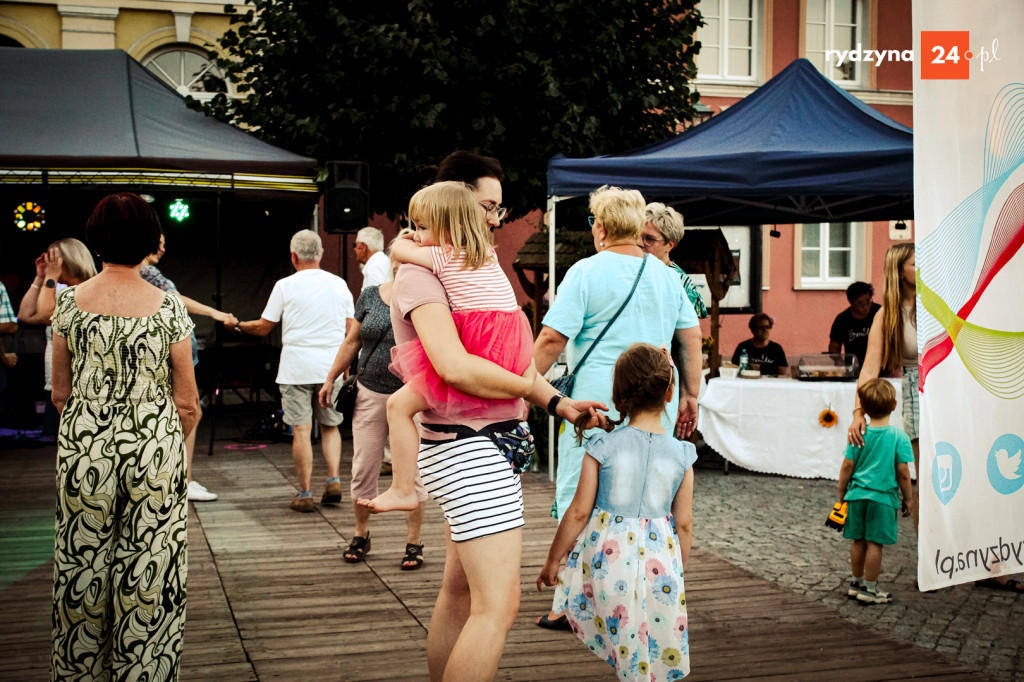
(799, 149)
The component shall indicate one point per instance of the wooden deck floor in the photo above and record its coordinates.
(270, 598)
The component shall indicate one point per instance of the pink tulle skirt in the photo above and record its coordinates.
(504, 338)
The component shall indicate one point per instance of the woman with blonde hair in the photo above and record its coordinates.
(66, 262)
(892, 348)
(605, 304)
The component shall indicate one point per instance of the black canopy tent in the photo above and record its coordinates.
(98, 120)
(98, 117)
(79, 124)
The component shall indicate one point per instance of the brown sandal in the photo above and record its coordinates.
(357, 549)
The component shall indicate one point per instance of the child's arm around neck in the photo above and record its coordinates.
(408, 251)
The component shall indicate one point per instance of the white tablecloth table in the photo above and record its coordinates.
(771, 424)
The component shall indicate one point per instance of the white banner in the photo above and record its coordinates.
(969, 213)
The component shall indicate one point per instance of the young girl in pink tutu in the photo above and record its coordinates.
(451, 239)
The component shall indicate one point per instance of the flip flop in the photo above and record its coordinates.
(560, 623)
(1010, 585)
(413, 558)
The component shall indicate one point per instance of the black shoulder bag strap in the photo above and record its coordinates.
(375, 344)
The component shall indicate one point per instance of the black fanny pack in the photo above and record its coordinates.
(512, 438)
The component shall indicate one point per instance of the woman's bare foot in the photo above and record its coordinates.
(391, 500)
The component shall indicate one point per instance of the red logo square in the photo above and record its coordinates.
(945, 55)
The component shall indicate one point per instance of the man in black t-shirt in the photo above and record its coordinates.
(850, 329)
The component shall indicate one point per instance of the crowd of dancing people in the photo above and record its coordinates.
(447, 363)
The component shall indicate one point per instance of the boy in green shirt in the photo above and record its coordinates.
(868, 482)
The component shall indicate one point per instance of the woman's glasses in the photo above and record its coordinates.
(650, 240)
(498, 212)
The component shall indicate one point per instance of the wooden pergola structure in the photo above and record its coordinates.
(706, 252)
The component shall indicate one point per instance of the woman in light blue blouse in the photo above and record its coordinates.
(592, 291)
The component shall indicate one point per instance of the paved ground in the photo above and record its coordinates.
(774, 527)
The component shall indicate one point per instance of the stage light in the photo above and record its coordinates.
(179, 210)
(29, 216)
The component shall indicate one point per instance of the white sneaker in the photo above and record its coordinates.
(198, 493)
(876, 596)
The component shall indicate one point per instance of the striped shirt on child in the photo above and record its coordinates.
(486, 288)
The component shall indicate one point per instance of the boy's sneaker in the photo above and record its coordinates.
(854, 589)
(869, 596)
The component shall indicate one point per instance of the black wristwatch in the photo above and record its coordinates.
(553, 404)
(49, 284)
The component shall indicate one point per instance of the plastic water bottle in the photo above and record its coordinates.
(744, 360)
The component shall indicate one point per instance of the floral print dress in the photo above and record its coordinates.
(120, 543)
(622, 586)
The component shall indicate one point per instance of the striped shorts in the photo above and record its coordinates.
(911, 402)
(474, 484)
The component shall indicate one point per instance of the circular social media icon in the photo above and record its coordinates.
(947, 470)
(1005, 468)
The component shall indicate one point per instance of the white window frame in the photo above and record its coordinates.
(721, 41)
(182, 88)
(860, 38)
(858, 248)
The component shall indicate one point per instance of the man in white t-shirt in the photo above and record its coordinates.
(369, 248)
(315, 309)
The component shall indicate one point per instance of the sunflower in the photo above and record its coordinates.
(827, 418)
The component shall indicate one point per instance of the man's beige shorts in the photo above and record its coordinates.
(300, 403)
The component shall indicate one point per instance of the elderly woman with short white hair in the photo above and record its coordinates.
(630, 298)
(663, 230)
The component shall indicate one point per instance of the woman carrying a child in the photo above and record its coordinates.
(467, 474)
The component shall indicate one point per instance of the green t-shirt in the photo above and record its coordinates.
(874, 465)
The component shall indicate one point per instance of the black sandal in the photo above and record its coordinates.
(1010, 585)
(413, 558)
(357, 549)
(560, 623)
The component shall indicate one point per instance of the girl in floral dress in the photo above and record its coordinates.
(628, 531)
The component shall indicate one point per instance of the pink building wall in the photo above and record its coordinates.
(803, 318)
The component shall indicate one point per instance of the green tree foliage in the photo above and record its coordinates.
(401, 84)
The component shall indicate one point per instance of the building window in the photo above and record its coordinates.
(728, 40)
(834, 27)
(187, 70)
(830, 255)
